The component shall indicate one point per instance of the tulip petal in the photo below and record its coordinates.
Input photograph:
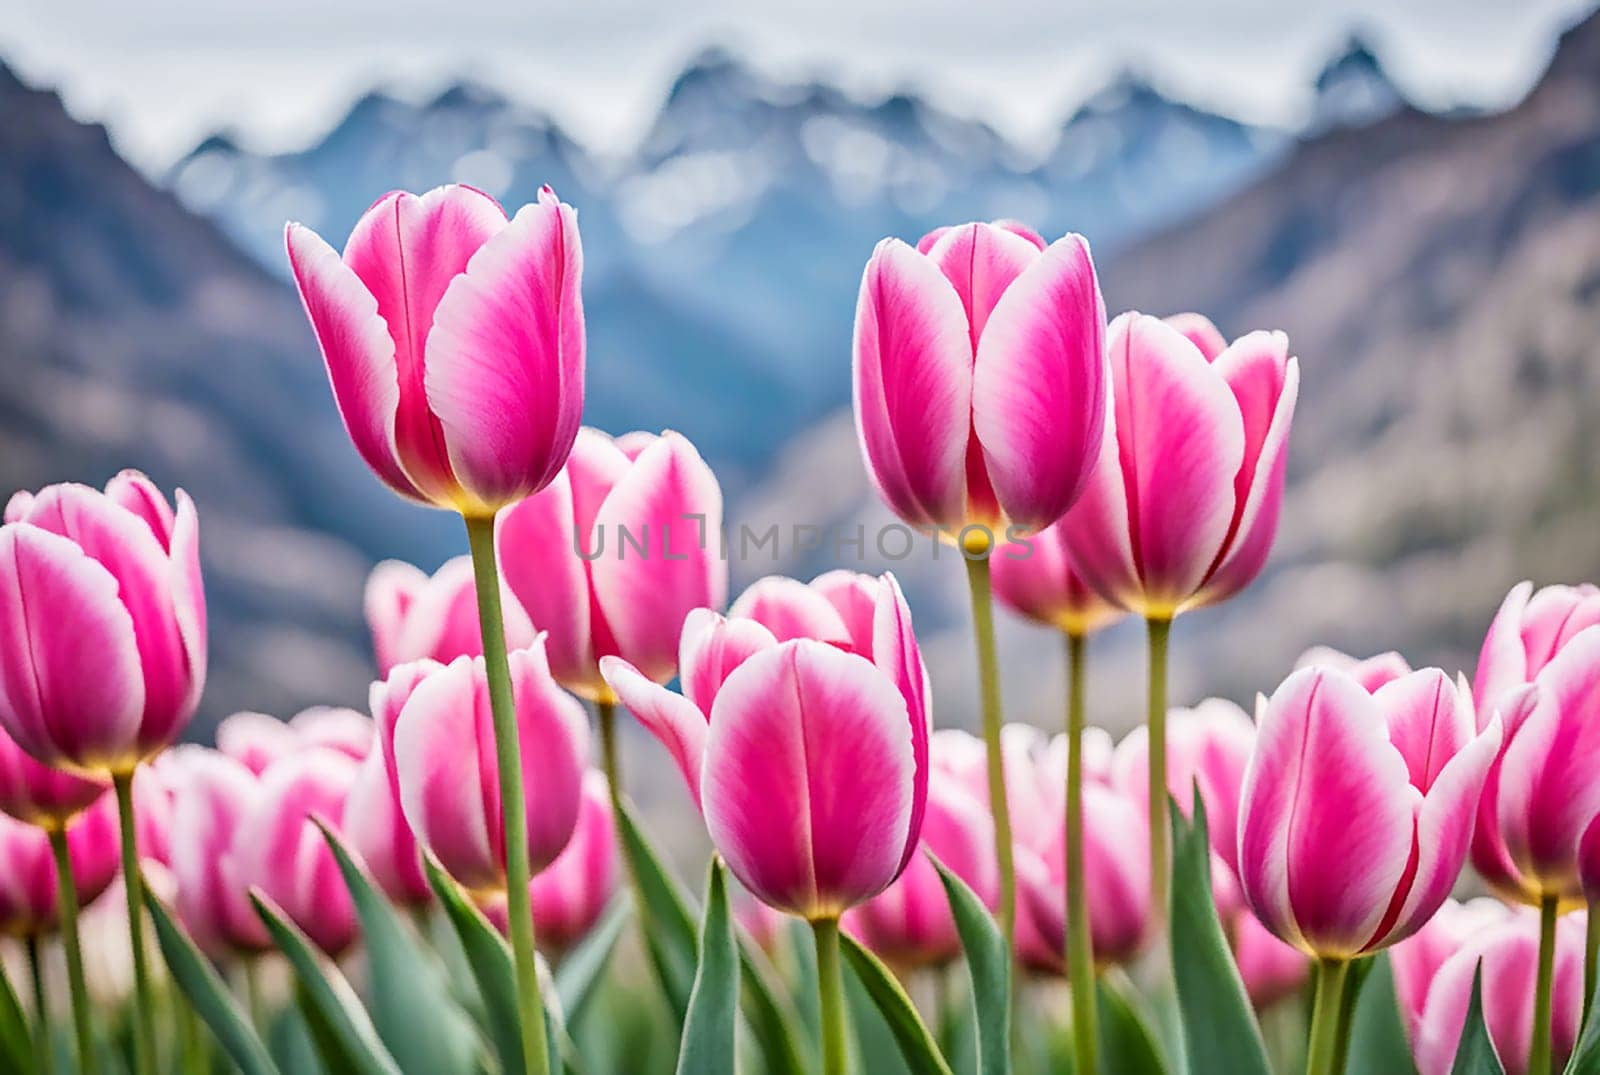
(134, 492)
(1429, 722)
(807, 786)
(981, 261)
(356, 348)
(854, 597)
(506, 355)
(391, 590)
(912, 377)
(1096, 529)
(74, 690)
(671, 718)
(712, 647)
(1325, 828)
(541, 566)
(895, 652)
(1198, 330)
(672, 498)
(189, 598)
(1503, 662)
(1039, 385)
(554, 732)
(790, 609)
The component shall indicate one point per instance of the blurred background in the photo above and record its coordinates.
(1414, 195)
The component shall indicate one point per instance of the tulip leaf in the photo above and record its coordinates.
(771, 1018)
(989, 964)
(910, 1033)
(585, 965)
(665, 918)
(199, 982)
(15, 1039)
(1475, 1053)
(409, 1000)
(1377, 1039)
(710, 1027)
(328, 1000)
(1586, 1054)
(1220, 1033)
(490, 959)
(1127, 1042)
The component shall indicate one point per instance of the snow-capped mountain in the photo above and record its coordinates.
(1353, 90)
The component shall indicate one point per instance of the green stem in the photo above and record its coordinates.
(1080, 947)
(1539, 1047)
(1160, 630)
(1591, 953)
(1323, 1050)
(508, 758)
(989, 686)
(196, 1061)
(830, 986)
(44, 1052)
(144, 1028)
(67, 896)
(254, 999)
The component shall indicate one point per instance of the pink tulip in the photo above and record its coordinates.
(256, 740)
(413, 615)
(1418, 958)
(38, 794)
(909, 923)
(454, 341)
(610, 558)
(1541, 792)
(1036, 578)
(1589, 862)
(1528, 631)
(1509, 955)
(374, 820)
(212, 796)
(28, 905)
(979, 376)
(1270, 969)
(152, 801)
(280, 852)
(104, 652)
(1183, 504)
(444, 762)
(1357, 807)
(571, 894)
(1370, 672)
(767, 732)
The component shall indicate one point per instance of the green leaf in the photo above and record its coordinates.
(15, 1040)
(1219, 1029)
(772, 1019)
(489, 957)
(989, 964)
(1377, 1036)
(194, 975)
(916, 1043)
(667, 922)
(409, 999)
(584, 966)
(1475, 1053)
(709, 1028)
(1127, 1043)
(329, 1002)
(1586, 1054)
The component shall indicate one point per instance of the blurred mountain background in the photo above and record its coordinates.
(1437, 273)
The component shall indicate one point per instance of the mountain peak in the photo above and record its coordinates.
(1353, 88)
(467, 94)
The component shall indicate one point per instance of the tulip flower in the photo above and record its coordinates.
(449, 789)
(1405, 761)
(280, 853)
(1035, 578)
(1528, 631)
(768, 731)
(454, 342)
(1510, 959)
(256, 740)
(105, 657)
(1182, 506)
(40, 795)
(413, 615)
(1270, 969)
(909, 923)
(1417, 959)
(213, 795)
(1370, 672)
(980, 383)
(29, 879)
(570, 894)
(374, 821)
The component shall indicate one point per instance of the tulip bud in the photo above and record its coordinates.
(979, 376)
(1418, 958)
(413, 615)
(28, 895)
(444, 762)
(212, 796)
(454, 341)
(256, 740)
(105, 655)
(1035, 577)
(1182, 507)
(39, 795)
(610, 558)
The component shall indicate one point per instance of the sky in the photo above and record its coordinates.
(162, 74)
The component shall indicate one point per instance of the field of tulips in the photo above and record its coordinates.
(458, 882)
